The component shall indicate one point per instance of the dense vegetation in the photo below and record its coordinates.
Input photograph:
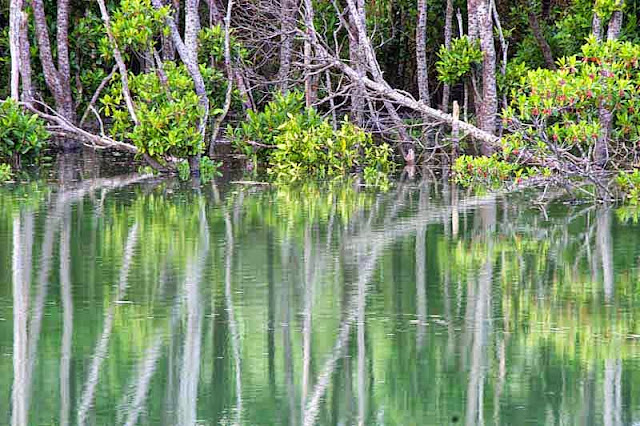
(542, 88)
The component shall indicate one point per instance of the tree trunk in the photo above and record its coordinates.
(287, 13)
(358, 14)
(25, 59)
(15, 14)
(230, 78)
(489, 107)
(421, 53)
(596, 27)
(356, 57)
(601, 148)
(187, 54)
(192, 28)
(122, 68)
(542, 42)
(448, 33)
(472, 19)
(615, 25)
(310, 80)
(57, 82)
(168, 49)
(64, 67)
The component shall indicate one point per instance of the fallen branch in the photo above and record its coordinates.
(64, 126)
(382, 89)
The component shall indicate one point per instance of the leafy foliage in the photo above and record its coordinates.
(560, 109)
(169, 112)
(606, 8)
(209, 169)
(134, 24)
(212, 46)
(265, 126)
(321, 152)
(629, 184)
(169, 115)
(456, 63)
(22, 135)
(5, 172)
(296, 142)
(486, 172)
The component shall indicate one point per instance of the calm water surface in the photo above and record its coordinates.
(129, 301)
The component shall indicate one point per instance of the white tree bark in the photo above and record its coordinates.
(421, 53)
(357, 60)
(57, 80)
(287, 28)
(15, 17)
(310, 80)
(489, 106)
(192, 28)
(448, 33)
(122, 68)
(615, 24)
(189, 55)
(25, 59)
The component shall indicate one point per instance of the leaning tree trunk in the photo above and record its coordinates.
(15, 15)
(359, 18)
(57, 80)
(382, 90)
(122, 68)
(489, 106)
(543, 44)
(187, 54)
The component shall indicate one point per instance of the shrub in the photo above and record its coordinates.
(265, 126)
(486, 172)
(212, 46)
(298, 143)
(560, 109)
(135, 24)
(169, 112)
(208, 169)
(456, 63)
(629, 184)
(5, 172)
(169, 116)
(22, 135)
(320, 152)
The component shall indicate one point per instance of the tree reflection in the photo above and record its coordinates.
(315, 305)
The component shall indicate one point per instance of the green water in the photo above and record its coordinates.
(139, 301)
